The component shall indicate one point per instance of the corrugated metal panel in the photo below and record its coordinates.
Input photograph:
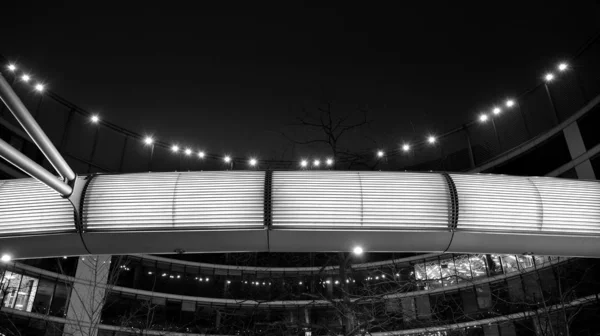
(497, 203)
(175, 201)
(29, 207)
(570, 206)
(320, 199)
(519, 204)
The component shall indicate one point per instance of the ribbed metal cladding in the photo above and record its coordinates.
(512, 204)
(389, 200)
(497, 203)
(570, 206)
(190, 200)
(29, 207)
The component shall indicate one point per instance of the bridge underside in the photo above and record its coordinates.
(305, 211)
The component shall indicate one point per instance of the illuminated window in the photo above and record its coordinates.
(18, 291)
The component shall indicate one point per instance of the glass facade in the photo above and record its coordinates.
(439, 290)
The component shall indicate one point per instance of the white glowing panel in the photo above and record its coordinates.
(388, 200)
(194, 200)
(29, 207)
(512, 204)
(570, 206)
(497, 203)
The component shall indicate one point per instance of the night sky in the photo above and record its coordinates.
(229, 77)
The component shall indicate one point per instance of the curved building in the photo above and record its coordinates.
(502, 244)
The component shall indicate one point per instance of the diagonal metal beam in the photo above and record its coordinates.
(18, 109)
(33, 169)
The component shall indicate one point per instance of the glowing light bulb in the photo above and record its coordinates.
(431, 139)
(95, 119)
(358, 250)
(303, 163)
(483, 117)
(148, 140)
(563, 66)
(380, 153)
(188, 151)
(510, 103)
(6, 258)
(316, 163)
(39, 87)
(174, 148)
(228, 281)
(12, 67)
(329, 161)
(25, 78)
(253, 162)
(227, 159)
(549, 77)
(406, 147)
(201, 155)
(496, 110)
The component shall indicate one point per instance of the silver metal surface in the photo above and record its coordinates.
(18, 109)
(33, 169)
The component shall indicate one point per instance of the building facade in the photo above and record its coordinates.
(553, 134)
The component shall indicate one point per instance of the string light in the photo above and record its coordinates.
(253, 162)
(227, 159)
(188, 151)
(563, 66)
(174, 148)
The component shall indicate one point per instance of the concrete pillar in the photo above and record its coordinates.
(577, 148)
(306, 315)
(88, 295)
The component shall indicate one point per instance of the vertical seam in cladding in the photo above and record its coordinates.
(454, 206)
(79, 226)
(173, 200)
(541, 202)
(268, 205)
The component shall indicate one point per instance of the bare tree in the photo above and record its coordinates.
(331, 130)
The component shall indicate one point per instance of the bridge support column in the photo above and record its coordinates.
(576, 148)
(88, 295)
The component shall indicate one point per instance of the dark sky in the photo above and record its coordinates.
(229, 76)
